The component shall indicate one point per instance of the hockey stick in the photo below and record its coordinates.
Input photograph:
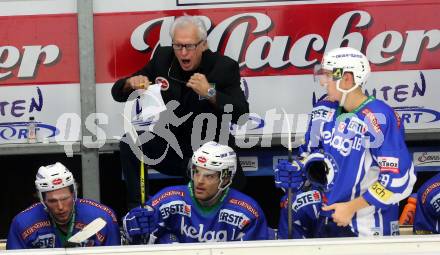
(289, 190)
(91, 229)
(134, 135)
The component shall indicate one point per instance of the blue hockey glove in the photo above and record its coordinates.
(290, 175)
(317, 166)
(140, 221)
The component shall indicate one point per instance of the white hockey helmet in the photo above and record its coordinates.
(342, 60)
(216, 157)
(53, 177)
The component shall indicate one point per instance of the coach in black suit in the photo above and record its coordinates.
(201, 81)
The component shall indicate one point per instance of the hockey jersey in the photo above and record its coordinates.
(306, 206)
(33, 227)
(427, 217)
(369, 158)
(235, 217)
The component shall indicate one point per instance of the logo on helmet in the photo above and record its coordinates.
(337, 73)
(201, 159)
(57, 181)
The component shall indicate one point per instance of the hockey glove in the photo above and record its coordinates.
(316, 167)
(140, 221)
(290, 175)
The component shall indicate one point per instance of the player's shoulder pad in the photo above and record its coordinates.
(168, 194)
(379, 106)
(94, 209)
(244, 203)
(429, 190)
(33, 213)
(379, 115)
(324, 110)
(37, 207)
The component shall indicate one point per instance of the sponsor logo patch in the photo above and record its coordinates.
(201, 159)
(233, 218)
(44, 241)
(322, 113)
(57, 181)
(201, 235)
(357, 126)
(428, 190)
(175, 207)
(435, 202)
(245, 205)
(100, 206)
(164, 84)
(380, 192)
(372, 118)
(167, 194)
(29, 231)
(388, 164)
(306, 198)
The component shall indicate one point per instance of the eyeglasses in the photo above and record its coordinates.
(189, 46)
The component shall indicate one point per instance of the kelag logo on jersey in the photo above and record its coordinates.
(417, 114)
(18, 130)
(200, 235)
(234, 218)
(175, 207)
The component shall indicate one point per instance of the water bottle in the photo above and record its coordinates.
(32, 130)
(407, 216)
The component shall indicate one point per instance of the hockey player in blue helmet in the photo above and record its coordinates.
(59, 215)
(205, 210)
(363, 139)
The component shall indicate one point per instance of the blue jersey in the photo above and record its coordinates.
(427, 217)
(235, 217)
(306, 206)
(34, 228)
(369, 158)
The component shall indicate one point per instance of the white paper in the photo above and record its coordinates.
(152, 102)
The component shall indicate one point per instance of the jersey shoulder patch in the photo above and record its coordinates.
(174, 192)
(241, 200)
(97, 208)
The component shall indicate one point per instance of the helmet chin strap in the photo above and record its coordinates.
(213, 199)
(344, 92)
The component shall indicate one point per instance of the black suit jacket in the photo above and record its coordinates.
(219, 70)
